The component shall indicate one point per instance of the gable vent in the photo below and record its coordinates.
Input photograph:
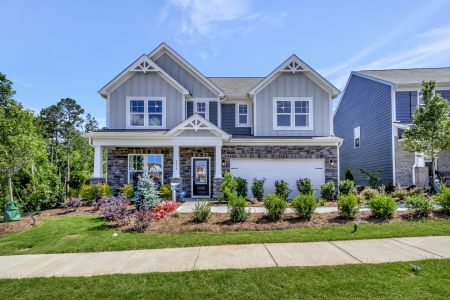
(144, 66)
(293, 67)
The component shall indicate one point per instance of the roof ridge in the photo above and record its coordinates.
(405, 69)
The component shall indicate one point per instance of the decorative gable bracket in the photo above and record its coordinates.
(196, 123)
(144, 64)
(292, 66)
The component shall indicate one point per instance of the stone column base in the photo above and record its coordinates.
(422, 178)
(97, 180)
(217, 188)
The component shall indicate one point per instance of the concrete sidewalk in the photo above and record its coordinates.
(225, 257)
(188, 207)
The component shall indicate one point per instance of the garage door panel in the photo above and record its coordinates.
(279, 169)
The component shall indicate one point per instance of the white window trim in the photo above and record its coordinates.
(292, 126)
(236, 109)
(146, 126)
(357, 135)
(206, 101)
(145, 162)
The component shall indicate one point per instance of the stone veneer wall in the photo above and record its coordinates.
(404, 162)
(117, 163)
(285, 152)
(444, 161)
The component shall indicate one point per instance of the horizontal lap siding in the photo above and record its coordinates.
(292, 85)
(229, 121)
(145, 85)
(367, 104)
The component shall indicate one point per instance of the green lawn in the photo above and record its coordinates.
(382, 281)
(89, 234)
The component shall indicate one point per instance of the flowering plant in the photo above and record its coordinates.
(163, 209)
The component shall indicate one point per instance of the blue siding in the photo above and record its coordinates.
(445, 94)
(403, 106)
(213, 112)
(229, 121)
(366, 103)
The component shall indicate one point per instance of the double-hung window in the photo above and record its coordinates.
(152, 163)
(242, 115)
(146, 112)
(202, 108)
(295, 113)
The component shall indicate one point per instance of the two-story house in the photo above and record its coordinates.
(165, 116)
(376, 106)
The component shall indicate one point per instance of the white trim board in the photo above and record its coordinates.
(292, 126)
(145, 126)
(237, 113)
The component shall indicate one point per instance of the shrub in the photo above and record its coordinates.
(328, 191)
(322, 202)
(202, 211)
(128, 191)
(103, 190)
(304, 205)
(400, 194)
(443, 199)
(382, 206)
(237, 208)
(97, 203)
(228, 186)
(348, 175)
(146, 195)
(348, 206)
(241, 187)
(275, 206)
(368, 194)
(420, 205)
(346, 187)
(88, 193)
(165, 191)
(142, 219)
(304, 186)
(373, 177)
(258, 188)
(116, 209)
(282, 189)
(72, 203)
(163, 209)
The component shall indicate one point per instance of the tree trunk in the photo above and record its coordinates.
(10, 187)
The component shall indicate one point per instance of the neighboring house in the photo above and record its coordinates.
(163, 114)
(376, 106)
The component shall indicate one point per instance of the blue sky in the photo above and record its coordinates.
(57, 49)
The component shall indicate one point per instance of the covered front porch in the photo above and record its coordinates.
(189, 154)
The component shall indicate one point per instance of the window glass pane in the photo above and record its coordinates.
(136, 163)
(134, 176)
(242, 119)
(155, 167)
(243, 108)
(301, 107)
(357, 143)
(155, 106)
(201, 107)
(137, 106)
(301, 120)
(283, 120)
(283, 106)
(137, 119)
(154, 119)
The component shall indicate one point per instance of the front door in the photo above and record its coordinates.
(200, 177)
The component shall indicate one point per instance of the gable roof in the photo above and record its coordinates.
(411, 76)
(236, 87)
(196, 123)
(164, 48)
(293, 65)
(142, 64)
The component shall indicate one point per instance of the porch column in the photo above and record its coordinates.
(218, 155)
(98, 162)
(176, 162)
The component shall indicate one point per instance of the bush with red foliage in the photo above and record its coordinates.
(163, 209)
(115, 209)
(143, 218)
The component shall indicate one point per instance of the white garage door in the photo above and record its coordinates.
(276, 169)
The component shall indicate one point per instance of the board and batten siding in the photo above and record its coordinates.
(145, 85)
(292, 85)
(180, 74)
(229, 120)
(366, 103)
(213, 113)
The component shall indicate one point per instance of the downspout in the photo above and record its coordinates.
(414, 170)
(339, 164)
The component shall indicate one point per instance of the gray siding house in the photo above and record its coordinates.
(166, 118)
(376, 106)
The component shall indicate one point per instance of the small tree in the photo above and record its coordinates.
(349, 175)
(374, 177)
(146, 195)
(430, 130)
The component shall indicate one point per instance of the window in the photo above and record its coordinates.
(420, 98)
(202, 108)
(153, 163)
(292, 113)
(357, 137)
(146, 112)
(242, 115)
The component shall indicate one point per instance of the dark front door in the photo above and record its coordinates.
(200, 177)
